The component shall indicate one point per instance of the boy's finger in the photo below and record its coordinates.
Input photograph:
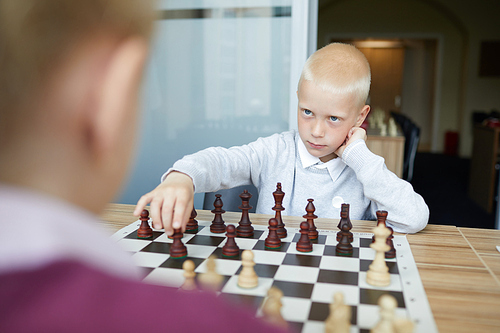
(166, 215)
(178, 217)
(141, 204)
(182, 212)
(156, 213)
(187, 215)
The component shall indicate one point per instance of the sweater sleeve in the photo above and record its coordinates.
(408, 212)
(218, 168)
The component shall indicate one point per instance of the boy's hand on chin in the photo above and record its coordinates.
(354, 134)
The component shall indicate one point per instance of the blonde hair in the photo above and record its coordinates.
(37, 35)
(339, 69)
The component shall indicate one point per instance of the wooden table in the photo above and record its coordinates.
(459, 267)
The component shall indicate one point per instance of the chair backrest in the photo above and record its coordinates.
(411, 133)
(231, 198)
(412, 152)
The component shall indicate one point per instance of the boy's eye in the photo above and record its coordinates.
(333, 118)
(307, 112)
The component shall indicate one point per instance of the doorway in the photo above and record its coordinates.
(387, 66)
(403, 79)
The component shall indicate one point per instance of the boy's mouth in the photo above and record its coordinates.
(315, 146)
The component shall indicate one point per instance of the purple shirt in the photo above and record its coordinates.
(71, 297)
(59, 273)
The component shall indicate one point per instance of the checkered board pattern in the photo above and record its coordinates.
(308, 280)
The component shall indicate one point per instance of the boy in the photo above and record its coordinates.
(327, 159)
(70, 75)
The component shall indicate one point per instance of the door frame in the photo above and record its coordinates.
(436, 108)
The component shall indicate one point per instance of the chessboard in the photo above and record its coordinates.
(308, 280)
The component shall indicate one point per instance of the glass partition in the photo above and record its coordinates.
(218, 75)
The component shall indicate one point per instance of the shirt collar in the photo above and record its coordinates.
(305, 157)
(38, 230)
(335, 166)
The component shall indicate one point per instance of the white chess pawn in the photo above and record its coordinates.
(189, 275)
(378, 272)
(387, 304)
(383, 129)
(339, 320)
(247, 278)
(393, 129)
(403, 325)
(271, 309)
(211, 280)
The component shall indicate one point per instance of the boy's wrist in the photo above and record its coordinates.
(178, 176)
(355, 153)
(169, 172)
(348, 149)
(355, 134)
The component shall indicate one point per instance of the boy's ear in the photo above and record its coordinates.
(116, 102)
(362, 115)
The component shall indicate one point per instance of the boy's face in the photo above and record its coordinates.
(324, 119)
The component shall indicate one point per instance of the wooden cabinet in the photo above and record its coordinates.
(391, 148)
(485, 156)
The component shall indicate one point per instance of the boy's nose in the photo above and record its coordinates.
(317, 130)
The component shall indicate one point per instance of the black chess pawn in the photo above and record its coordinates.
(381, 219)
(273, 241)
(344, 247)
(304, 244)
(230, 249)
(192, 225)
(218, 225)
(344, 219)
(178, 250)
(245, 228)
(392, 251)
(278, 208)
(145, 231)
(313, 233)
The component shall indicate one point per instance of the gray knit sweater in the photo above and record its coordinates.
(364, 181)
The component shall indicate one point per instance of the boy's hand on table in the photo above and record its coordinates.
(171, 202)
(354, 134)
